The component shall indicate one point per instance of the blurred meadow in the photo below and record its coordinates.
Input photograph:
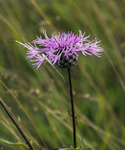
(39, 99)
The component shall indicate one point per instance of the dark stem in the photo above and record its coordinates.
(72, 106)
(16, 124)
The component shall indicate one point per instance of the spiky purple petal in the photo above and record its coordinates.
(51, 49)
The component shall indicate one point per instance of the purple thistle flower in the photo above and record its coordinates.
(61, 49)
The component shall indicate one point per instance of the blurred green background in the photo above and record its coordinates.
(39, 99)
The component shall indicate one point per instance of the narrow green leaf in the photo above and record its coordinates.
(12, 143)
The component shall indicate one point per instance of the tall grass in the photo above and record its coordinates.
(39, 99)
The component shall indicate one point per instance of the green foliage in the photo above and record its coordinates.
(39, 98)
(13, 143)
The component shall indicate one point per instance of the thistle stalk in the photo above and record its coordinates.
(16, 124)
(72, 107)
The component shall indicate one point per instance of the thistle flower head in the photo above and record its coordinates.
(61, 49)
